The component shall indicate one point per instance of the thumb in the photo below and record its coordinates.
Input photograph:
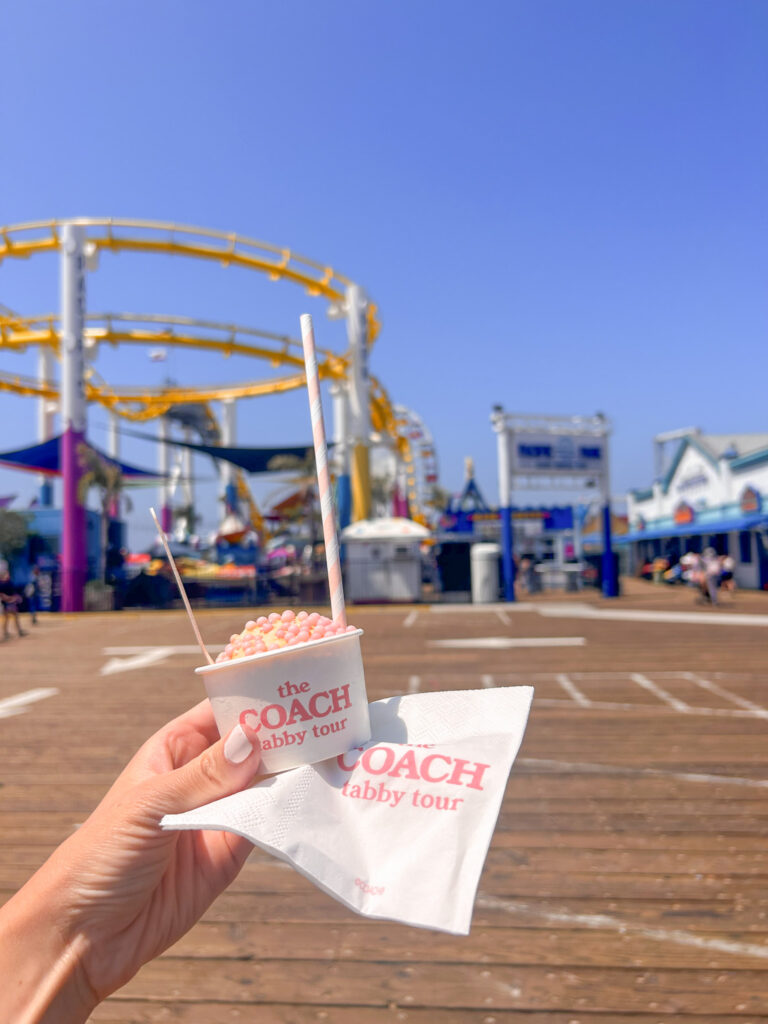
(226, 767)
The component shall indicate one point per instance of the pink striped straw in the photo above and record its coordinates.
(338, 611)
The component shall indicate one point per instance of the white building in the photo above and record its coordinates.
(714, 493)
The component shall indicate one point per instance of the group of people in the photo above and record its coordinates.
(12, 597)
(708, 572)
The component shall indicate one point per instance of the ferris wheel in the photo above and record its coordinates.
(419, 458)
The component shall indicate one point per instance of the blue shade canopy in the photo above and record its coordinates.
(44, 458)
(253, 460)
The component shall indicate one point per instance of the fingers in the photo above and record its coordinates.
(226, 767)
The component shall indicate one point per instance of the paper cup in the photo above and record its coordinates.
(307, 702)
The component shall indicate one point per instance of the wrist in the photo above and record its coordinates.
(41, 974)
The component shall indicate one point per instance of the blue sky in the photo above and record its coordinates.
(557, 206)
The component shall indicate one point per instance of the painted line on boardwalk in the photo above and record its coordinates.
(585, 768)
(414, 684)
(410, 619)
(487, 682)
(505, 619)
(660, 692)
(572, 690)
(719, 691)
(143, 660)
(170, 648)
(20, 702)
(607, 705)
(581, 610)
(503, 642)
(603, 922)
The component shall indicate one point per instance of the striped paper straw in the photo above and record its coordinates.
(338, 611)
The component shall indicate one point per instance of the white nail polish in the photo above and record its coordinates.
(237, 746)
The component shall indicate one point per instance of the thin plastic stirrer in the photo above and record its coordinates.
(182, 591)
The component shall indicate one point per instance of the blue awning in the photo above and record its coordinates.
(696, 529)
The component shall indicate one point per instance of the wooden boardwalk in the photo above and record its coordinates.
(626, 881)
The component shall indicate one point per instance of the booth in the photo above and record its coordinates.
(382, 560)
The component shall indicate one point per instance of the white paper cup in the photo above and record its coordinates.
(307, 702)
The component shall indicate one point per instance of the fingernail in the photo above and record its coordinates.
(237, 746)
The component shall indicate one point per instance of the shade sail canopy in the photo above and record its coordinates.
(284, 459)
(44, 458)
(393, 528)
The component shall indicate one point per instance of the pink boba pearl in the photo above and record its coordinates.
(302, 636)
(288, 615)
(261, 620)
(250, 624)
(351, 629)
(313, 619)
(302, 616)
(273, 617)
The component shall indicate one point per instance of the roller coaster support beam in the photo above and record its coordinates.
(229, 440)
(341, 452)
(114, 453)
(164, 459)
(74, 563)
(360, 400)
(45, 424)
(505, 503)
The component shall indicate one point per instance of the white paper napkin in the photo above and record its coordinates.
(400, 828)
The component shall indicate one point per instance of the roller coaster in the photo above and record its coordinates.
(138, 404)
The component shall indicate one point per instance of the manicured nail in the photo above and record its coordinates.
(237, 746)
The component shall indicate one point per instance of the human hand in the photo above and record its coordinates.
(121, 889)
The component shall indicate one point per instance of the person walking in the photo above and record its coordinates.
(711, 574)
(11, 599)
(32, 593)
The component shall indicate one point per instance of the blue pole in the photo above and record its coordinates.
(507, 561)
(46, 494)
(610, 581)
(343, 500)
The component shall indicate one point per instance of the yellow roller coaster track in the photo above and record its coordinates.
(112, 234)
(141, 404)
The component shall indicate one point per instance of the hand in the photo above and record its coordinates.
(121, 890)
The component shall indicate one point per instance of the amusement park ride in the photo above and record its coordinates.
(361, 405)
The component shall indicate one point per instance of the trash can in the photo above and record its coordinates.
(484, 571)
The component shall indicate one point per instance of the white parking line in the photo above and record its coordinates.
(658, 691)
(719, 691)
(572, 690)
(19, 703)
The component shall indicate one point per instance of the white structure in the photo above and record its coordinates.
(714, 493)
(383, 559)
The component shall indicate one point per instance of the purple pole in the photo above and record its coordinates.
(73, 554)
(74, 563)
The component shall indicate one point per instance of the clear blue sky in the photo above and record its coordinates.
(559, 206)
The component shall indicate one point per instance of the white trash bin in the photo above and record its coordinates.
(484, 572)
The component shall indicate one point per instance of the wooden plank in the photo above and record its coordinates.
(373, 941)
(455, 986)
(129, 1011)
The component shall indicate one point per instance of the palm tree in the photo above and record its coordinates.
(108, 477)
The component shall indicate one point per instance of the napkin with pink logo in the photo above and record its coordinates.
(400, 827)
